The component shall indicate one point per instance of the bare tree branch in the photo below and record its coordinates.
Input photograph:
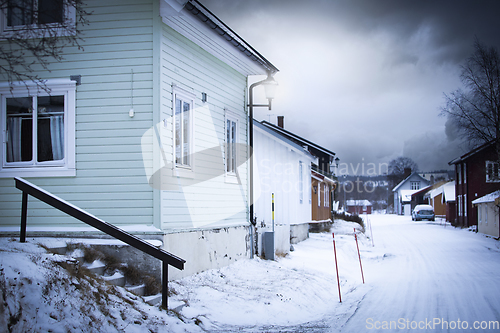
(36, 34)
(476, 109)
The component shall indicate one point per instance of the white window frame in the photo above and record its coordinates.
(415, 185)
(319, 194)
(67, 28)
(465, 204)
(231, 175)
(459, 173)
(326, 195)
(66, 166)
(465, 173)
(491, 165)
(180, 169)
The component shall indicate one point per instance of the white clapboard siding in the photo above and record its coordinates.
(214, 202)
(110, 179)
(277, 162)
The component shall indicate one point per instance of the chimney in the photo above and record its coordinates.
(281, 121)
(407, 172)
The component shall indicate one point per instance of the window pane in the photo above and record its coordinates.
(233, 146)
(228, 145)
(186, 133)
(19, 129)
(19, 12)
(178, 131)
(50, 128)
(50, 11)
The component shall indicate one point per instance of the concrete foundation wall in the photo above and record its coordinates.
(207, 249)
(282, 239)
(299, 232)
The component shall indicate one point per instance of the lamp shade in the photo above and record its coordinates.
(270, 87)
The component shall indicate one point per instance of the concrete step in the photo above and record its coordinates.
(137, 290)
(116, 279)
(59, 249)
(97, 267)
(153, 300)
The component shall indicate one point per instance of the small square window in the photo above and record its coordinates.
(57, 16)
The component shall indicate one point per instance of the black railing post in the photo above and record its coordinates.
(164, 286)
(24, 216)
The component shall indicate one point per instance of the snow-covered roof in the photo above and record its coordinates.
(358, 203)
(487, 198)
(406, 179)
(406, 195)
(449, 192)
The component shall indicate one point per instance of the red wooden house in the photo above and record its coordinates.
(476, 174)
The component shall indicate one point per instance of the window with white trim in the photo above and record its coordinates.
(459, 173)
(459, 198)
(319, 193)
(465, 204)
(231, 148)
(183, 129)
(415, 185)
(492, 172)
(38, 130)
(326, 195)
(54, 15)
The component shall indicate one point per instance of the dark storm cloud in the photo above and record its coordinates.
(454, 24)
(373, 71)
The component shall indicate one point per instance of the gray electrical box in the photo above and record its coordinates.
(268, 245)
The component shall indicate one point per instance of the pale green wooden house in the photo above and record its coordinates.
(159, 88)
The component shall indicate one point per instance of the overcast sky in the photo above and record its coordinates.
(366, 78)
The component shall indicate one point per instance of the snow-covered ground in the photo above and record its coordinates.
(416, 274)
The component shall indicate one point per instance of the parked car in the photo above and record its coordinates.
(423, 212)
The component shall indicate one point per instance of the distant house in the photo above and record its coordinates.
(477, 174)
(442, 198)
(138, 130)
(488, 213)
(449, 200)
(323, 182)
(404, 190)
(437, 176)
(283, 168)
(359, 207)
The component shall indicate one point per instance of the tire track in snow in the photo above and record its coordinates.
(430, 272)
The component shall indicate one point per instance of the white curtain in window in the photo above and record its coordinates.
(57, 137)
(14, 139)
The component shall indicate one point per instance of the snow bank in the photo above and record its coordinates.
(41, 296)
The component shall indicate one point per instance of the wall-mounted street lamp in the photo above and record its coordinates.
(337, 160)
(270, 86)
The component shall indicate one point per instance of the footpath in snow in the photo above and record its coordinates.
(415, 273)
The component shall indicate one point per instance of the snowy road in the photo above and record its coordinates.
(432, 279)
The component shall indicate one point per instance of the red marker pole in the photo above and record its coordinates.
(336, 266)
(359, 256)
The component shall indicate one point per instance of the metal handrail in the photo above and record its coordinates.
(167, 258)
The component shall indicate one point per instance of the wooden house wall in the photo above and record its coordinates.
(475, 185)
(213, 202)
(110, 179)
